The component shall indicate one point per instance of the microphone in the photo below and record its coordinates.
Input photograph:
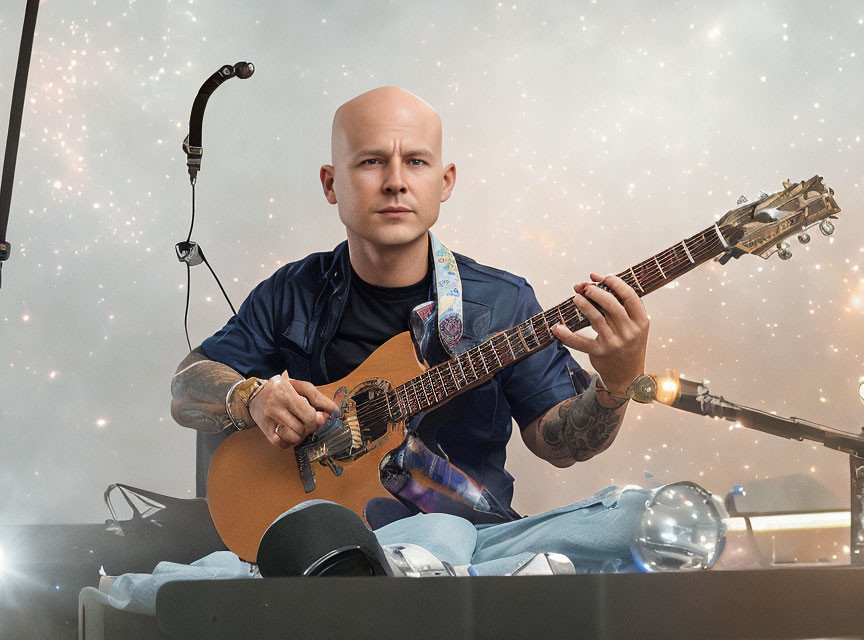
(192, 144)
(244, 70)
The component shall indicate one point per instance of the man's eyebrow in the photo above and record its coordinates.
(411, 153)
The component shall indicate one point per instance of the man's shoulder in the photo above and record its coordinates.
(471, 269)
(309, 271)
(505, 295)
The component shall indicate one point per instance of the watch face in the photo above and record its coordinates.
(644, 388)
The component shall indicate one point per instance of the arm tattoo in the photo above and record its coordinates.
(198, 390)
(579, 428)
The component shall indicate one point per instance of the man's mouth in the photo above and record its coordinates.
(394, 212)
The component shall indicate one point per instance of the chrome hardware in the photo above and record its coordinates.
(335, 468)
(741, 199)
(804, 238)
(826, 227)
(783, 251)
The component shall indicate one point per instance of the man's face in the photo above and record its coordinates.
(387, 155)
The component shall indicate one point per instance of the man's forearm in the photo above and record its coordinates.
(198, 391)
(578, 428)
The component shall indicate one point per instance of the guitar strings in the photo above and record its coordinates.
(380, 408)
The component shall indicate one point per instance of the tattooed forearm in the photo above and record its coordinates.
(578, 428)
(198, 390)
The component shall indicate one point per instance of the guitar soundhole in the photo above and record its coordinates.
(371, 413)
(370, 399)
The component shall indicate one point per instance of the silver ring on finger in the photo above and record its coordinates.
(276, 430)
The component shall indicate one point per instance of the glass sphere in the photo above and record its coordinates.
(681, 529)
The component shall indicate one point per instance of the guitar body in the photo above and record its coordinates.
(251, 482)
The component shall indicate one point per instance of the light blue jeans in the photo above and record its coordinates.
(595, 534)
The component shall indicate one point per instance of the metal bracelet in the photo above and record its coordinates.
(239, 424)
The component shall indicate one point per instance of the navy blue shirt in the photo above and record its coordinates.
(288, 320)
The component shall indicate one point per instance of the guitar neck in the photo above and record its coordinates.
(480, 363)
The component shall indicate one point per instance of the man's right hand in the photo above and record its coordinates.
(290, 404)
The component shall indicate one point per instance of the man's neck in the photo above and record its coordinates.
(397, 266)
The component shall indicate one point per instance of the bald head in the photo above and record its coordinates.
(387, 178)
(385, 109)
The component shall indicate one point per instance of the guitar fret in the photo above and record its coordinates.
(509, 345)
(522, 338)
(546, 323)
(428, 377)
(687, 251)
(533, 332)
(410, 387)
(399, 404)
(579, 317)
(483, 360)
(636, 280)
(404, 402)
(441, 378)
(471, 362)
(416, 395)
(561, 315)
(657, 262)
(387, 402)
(495, 351)
(461, 370)
(449, 364)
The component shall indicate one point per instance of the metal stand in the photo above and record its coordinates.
(695, 398)
(856, 531)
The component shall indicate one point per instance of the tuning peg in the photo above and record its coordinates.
(741, 199)
(826, 227)
(804, 238)
(762, 194)
(783, 251)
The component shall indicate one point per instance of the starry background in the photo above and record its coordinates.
(587, 136)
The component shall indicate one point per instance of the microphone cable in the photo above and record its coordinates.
(188, 251)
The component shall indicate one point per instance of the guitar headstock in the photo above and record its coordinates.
(761, 226)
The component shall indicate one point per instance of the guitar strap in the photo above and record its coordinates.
(448, 288)
(416, 476)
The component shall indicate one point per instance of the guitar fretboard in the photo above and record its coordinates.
(481, 362)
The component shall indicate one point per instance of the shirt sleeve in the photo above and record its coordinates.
(247, 343)
(537, 383)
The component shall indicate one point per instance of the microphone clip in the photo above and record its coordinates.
(189, 252)
(193, 159)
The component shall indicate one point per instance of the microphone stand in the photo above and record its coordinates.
(695, 398)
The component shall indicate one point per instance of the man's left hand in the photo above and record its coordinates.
(618, 352)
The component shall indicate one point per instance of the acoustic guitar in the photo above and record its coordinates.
(251, 482)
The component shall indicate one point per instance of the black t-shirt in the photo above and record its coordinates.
(372, 316)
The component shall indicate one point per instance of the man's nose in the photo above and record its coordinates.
(394, 181)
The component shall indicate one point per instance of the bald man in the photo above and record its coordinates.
(315, 320)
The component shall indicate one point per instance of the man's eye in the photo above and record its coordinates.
(369, 161)
(418, 161)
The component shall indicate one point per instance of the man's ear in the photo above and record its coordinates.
(449, 181)
(327, 175)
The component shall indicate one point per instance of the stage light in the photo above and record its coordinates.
(668, 388)
(861, 390)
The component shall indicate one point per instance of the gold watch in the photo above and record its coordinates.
(237, 401)
(643, 389)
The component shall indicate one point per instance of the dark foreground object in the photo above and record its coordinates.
(773, 603)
